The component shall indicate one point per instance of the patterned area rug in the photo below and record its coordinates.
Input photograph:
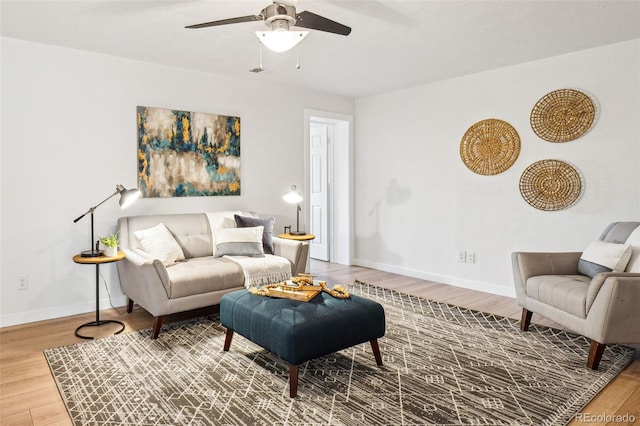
(443, 365)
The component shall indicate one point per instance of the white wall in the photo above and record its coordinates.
(69, 136)
(417, 204)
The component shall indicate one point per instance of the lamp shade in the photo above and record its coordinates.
(292, 196)
(280, 41)
(127, 196)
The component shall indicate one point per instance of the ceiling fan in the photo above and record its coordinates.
(279, 17)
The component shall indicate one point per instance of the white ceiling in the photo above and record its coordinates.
(394, 44)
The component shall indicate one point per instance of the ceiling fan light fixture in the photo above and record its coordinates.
(280, 41)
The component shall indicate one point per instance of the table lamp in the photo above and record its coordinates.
(293, 197)
(127, 197)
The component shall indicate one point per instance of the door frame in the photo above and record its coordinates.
(341, 194)
(321, 244)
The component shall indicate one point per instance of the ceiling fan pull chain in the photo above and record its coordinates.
(259, 68)
(298, 58)
(260, 43)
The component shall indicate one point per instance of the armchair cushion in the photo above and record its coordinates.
(565, 292)
(601, 256)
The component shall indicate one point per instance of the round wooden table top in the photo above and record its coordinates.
(303, 237)
(100, 259)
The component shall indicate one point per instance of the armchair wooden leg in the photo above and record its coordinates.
(595, 354)
(525, 320)
(157, 325)
(129, 306)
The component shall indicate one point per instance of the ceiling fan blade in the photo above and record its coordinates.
(306, 19)
(237, 20)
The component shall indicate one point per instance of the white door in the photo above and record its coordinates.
(319, 197)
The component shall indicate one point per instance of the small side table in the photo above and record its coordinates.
(97, 261)
(305, 237)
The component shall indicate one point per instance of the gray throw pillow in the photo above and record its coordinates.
(267, 234)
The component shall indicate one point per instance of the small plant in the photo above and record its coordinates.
(111, 241)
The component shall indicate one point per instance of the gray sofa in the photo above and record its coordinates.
(605, 308)
(200, 280)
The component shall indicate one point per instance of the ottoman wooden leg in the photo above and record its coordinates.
(227, 340)
(376, 351)
(293, 381)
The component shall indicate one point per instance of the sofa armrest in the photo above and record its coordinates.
(138, 258)
(143, 278)
(615, 310)
(296, 252)
(530, 264)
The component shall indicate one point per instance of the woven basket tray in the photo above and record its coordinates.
(550, 185)
(490, 147)
(562, 115)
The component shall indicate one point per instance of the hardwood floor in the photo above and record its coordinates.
(28, 394)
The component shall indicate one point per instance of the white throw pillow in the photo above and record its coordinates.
(600, 256)
(158, 242)
(634, 241)
(239, 241)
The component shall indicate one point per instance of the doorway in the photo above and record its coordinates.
(328, 181)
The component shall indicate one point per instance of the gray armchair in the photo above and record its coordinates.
(605, 308)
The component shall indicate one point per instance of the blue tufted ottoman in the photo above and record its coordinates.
(300, 331)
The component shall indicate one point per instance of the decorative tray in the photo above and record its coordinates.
(302, 293)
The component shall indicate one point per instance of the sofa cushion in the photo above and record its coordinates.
(600, 256)
(239, 242)
(565, 292)
(267, 234)
(158, 242)
(190, 230)
(203, 275)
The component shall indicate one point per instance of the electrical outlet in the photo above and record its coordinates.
(462, 256)
(23, 281)
(471, 257)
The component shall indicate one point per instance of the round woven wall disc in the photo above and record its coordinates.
(562, 115)
(550, 185)
(490, 147)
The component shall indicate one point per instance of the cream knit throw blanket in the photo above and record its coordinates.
(260, 271)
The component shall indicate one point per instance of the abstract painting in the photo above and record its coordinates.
(186, 154)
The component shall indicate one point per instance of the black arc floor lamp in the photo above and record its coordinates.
(127, 197)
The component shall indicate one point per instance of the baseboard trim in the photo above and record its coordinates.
(439, 278)
(59, 311)
(82, 308)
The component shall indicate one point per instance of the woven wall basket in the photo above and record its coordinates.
(550, 185)
(562, 115)
(490, 147)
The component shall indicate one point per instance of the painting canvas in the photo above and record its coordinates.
(185, 154)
